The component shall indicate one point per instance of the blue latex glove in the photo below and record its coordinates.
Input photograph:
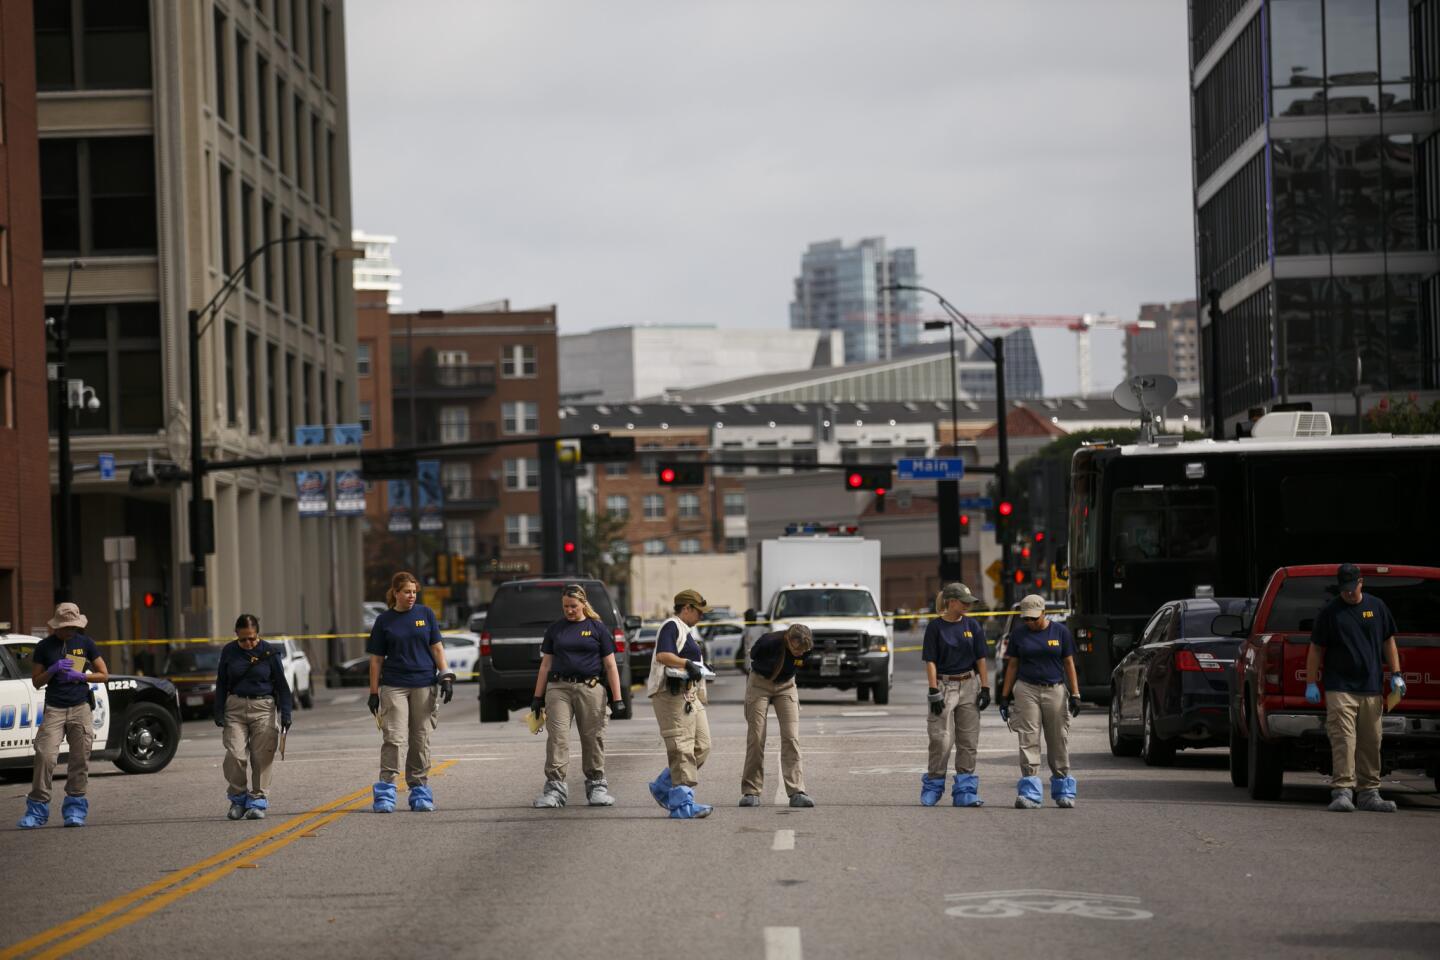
(1397, 684)
(1312, 693)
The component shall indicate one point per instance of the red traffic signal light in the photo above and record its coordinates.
(667, 475)
(868, 478)
(150, 599)
(1039, 536)
(681, 474)
(1006, 508)
(1039, 582)
(1019, 576)
(1025, 551)
(855, 481)
(964, 522)
(569, 546)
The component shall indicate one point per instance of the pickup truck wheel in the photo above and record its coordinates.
(1120, 746)
(307, 696)
(1154, 750)
(1239, 759)
(148, 736)
(862, 693)
(493, 709)
(1264, 768)
(881, 691)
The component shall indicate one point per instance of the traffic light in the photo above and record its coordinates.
(457, 568)
(1005, 508)
(1025, 552)
(1021, 576)
(964, 524)
(1039, 536)
(442, 569)
(868, 478)
(681, 474)
(604, 448)
(569, 547)
(151, 600)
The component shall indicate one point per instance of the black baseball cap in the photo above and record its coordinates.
(1347, 576)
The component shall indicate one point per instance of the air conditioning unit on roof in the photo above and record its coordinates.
(1291, 424)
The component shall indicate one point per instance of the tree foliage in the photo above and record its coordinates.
(598, 532)
(1403, 416)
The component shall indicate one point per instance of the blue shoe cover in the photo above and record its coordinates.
(1062, 788)
(1029, 788)
(660, 788)
(931, 789)
(421, 799)
(74, 810)
(966, 792)
(37, 814)
(257, 803)
(681, 801)
(384, 797)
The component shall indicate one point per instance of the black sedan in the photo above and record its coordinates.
(1171, 692)
(349, 673)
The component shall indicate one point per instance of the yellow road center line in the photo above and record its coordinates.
(128, 902)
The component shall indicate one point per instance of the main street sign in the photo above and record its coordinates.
(930, 468)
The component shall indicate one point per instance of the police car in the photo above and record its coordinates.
(137, 719)
(462, 649)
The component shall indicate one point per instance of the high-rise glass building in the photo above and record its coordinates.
(842, 288)
(1317, 197)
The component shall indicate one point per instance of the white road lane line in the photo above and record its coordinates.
(865, 713)
(781, 797)
(784, 840)
(782, 943)
(346, 698)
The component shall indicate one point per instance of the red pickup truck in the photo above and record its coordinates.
(1274, 729)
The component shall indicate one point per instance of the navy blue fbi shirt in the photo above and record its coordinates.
(252, 673)
(1041, 653)
(665, 642)
(1353, 636)
(82, 651)
(404, 640)
(770, 651)
(954, 648)
(578, 647)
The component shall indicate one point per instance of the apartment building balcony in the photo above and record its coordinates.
(469, 496)
(436, 381)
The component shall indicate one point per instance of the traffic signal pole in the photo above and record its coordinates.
(1002, 435)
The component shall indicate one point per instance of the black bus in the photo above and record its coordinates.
(1151, 523)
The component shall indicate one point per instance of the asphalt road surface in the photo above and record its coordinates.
(1167, 862)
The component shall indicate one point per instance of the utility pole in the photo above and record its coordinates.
(1002, 435)
(61, 335)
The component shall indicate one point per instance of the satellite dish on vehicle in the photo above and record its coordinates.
(1146, 394)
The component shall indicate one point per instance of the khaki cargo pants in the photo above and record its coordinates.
(1040, 708)
(75, 726)
(686, 735)
(760, 694)
(407, 715)
(252, 734)
(957, 726)
(585, 704)
(1353, 722)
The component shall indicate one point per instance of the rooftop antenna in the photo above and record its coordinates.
(1146, 394)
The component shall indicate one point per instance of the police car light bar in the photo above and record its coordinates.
(837, 529)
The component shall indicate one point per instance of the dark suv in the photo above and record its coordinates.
(519, 614)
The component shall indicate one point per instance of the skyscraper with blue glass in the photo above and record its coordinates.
(843, 288)
(1316, 164)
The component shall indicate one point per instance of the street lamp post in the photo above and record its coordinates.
(202, 517)
(60, 332)
(994, 348)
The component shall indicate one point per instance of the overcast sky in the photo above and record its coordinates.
(669, 161)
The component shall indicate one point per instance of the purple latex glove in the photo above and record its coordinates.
(61, 667)
(74, 676)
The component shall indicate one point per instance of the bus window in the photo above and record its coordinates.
(1083, 520)
(1164, 525)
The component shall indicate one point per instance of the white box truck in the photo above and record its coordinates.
(828, 579)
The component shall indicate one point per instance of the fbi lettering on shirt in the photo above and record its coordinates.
(419, 623)
(1052, 643)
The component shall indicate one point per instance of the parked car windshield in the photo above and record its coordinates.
(538, 605)
(825, 603)
(193, 660)
(1413, 600)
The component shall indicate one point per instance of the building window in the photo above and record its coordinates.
(232, 408)
(297, 116)
(366, 422)
(619, 549)
(262, 104)
(460, 537)
(282, 158)
(320, 274)
(518, 361)
(734, 503)
(734, 544)
(522, 530)
(654, 547)
(520, 417)
(362, 359)
(689, 545)
(522, 473)
(687, 506)
(326, 73)
(97, 196)
(247, 229)
(617, 469)
(654, 507)
(242, 85)
(252, 381)
(455, 477)
(307, 392)
(267, 262)
(330, 170)
(454, 424)
(7, 398)
(617, 506)
(226, 180)
(115, 349)
(285, 253)
(92, 46)
(292, 395)
(221, 96)
(277, 396)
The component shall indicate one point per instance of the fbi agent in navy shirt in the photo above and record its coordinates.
(1039, 674)
(1351, 635)
(773, 660)
(252, 706)
(679, 703)
(577, 676)
(408, 681)
(65, 664)
(954, 653)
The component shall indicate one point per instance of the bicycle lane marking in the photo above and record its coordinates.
(124, 901)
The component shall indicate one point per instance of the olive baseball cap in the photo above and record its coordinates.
(690, 598)
(958, 591)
